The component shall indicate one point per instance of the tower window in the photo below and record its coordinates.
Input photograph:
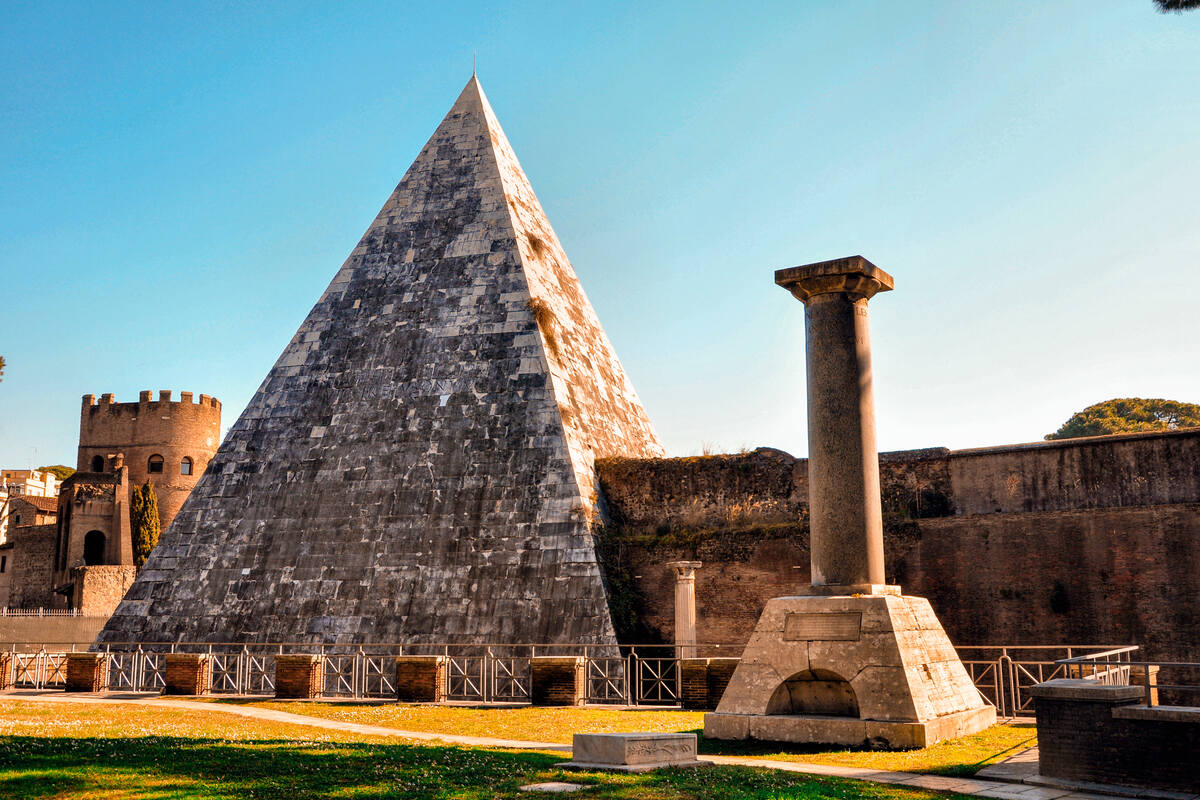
(185, 466)
(97, 463)
(155, 465)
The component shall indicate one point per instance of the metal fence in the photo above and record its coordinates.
(1116, 667)
(641, 675)
(39, 670)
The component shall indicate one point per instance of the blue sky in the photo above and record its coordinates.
(181, 181)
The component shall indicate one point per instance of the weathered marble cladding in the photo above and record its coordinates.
(418, 464)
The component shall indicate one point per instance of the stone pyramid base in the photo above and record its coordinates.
(874, 670)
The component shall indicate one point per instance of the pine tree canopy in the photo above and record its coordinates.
(1129, 415)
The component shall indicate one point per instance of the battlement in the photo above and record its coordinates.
(146, 397)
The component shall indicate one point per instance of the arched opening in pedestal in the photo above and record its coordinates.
(817, 692)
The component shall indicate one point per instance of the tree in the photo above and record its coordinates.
(1129, 415)
(61, 471)
(1, 368)
(143, 520)
(1176, 6)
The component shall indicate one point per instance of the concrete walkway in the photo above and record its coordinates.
(970, 786)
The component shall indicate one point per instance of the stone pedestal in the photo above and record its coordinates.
(875, 670)
(420, 679)
(188, 673)
(299, 676)
(87, 672)
(632, 752)
(557, 681)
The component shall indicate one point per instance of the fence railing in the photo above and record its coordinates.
(642, 675)
(1116, 667)
(1004, 674)
(43, 612)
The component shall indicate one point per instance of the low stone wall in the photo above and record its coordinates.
(1106, 734)
(54, 632)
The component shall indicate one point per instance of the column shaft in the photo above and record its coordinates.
(843, 464)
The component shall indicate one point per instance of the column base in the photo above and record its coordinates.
(848, 589)
(869, 670)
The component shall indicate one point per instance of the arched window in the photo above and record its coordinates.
(93, 548)
(97, 463)
(185, 466)
(155, 464)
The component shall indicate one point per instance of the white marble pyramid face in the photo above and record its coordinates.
(418, 464)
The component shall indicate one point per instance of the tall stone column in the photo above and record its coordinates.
(849, 659)
(846, 519)
(685, 607)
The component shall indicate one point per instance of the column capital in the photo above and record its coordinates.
(853, 275)
(684, 569)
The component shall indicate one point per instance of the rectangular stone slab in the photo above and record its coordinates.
(632, 752)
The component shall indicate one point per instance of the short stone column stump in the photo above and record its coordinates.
(188, 673)
(299, 676)
(557, 681)
(632, 752)
(87, 672)
(420, 679)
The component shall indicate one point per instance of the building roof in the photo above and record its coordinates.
(46, 505)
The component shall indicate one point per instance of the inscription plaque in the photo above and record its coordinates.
(832, 627)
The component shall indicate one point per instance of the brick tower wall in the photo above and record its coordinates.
(173, 430)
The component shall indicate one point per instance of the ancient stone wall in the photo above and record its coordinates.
(97, 591)
(153, 427)
(32, 558)
(1096, 559)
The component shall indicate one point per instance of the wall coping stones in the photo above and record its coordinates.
(1091, 691)
(1188, 714)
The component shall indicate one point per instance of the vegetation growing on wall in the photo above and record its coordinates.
(143, 520)
(1129, 415)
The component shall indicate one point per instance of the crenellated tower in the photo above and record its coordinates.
(169, 443)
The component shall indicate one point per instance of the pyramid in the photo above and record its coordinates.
(418, 464)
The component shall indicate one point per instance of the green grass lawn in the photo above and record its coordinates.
(960, 757)
(58, 750)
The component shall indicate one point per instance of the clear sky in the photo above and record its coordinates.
(179, 182)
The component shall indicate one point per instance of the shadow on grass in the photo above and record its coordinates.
(162, 767)
(954, 757)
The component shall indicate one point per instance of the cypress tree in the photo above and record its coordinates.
(143, 520)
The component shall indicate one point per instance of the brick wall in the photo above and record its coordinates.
(420, 679)
(557, 681)
(299, 676)
(1103, 734)
(1065, 570)
(188, 674)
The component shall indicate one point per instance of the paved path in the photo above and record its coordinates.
(970, 786)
